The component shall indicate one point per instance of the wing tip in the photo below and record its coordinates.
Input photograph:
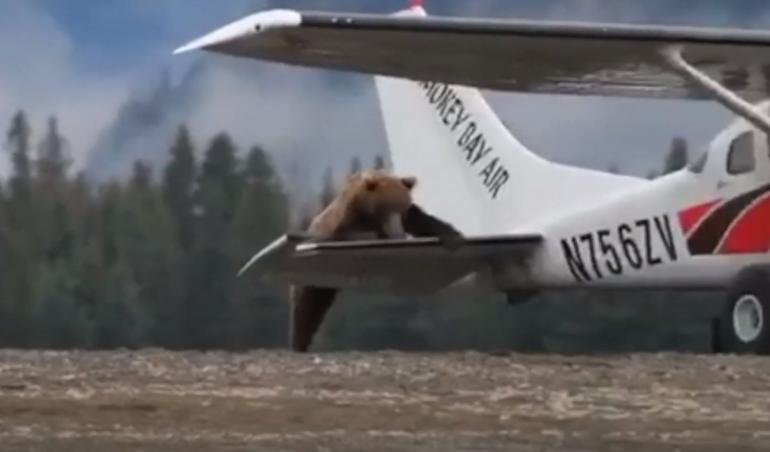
(243, 27)
(279, 247)
(184, 49)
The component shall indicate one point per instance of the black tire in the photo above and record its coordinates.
(747, 302)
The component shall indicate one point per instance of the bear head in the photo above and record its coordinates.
(383, 198)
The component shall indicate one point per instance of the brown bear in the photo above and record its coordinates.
(373, 202)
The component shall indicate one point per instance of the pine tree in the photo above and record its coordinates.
(52, 163)
(218, 190)
(16, 283)
(141, 178)
(212, 267)
(52, 204)
(21, 249)
(379, 162)
(18, 138)
(119, 317)
(259, 169)
(148, 248)
(108, 222)
(62, 320)
(263, 210)
(355, 166)
(179, 185)
(261, 217)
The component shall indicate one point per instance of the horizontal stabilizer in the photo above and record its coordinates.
(513, 55)
(419, 265)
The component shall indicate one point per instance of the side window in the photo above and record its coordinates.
(741, 159)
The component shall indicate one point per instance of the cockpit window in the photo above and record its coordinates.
(741, 158)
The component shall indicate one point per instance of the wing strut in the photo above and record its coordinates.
(673, 56)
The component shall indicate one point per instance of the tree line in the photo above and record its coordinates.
(148, 261)
(151, 260)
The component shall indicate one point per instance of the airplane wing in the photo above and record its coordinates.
(512, 55)
(419, 265)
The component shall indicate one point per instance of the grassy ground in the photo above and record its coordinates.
(154, 400)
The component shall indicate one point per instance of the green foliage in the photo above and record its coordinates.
(379, 162)
(144, 262)
(18, 139)
(355, 166)
(52, 163)
(179, 184)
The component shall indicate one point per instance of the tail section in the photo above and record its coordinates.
(471, 170)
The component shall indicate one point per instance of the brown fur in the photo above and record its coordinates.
(365, 204)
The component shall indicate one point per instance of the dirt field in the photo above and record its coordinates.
(271, 401)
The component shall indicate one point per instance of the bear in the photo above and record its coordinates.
(371, 202)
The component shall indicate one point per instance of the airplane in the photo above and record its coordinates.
(532, 224)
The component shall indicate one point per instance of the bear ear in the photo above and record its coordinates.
(370, 183)
(409, 182)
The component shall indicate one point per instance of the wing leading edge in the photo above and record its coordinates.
(513, 55)
(420, 265)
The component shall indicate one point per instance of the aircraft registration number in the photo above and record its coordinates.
(626, 247)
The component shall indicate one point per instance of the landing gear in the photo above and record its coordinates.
(744, 327)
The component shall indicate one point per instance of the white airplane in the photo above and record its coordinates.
(532, 224)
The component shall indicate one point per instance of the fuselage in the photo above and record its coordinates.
(691, 229)
(599, 229)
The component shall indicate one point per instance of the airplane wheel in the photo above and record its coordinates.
(744, 327)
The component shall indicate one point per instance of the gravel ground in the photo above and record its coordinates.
(275, 401)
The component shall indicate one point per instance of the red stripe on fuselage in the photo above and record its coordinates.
(690, 217)
(751, 231)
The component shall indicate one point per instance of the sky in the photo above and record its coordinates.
(81, 60)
